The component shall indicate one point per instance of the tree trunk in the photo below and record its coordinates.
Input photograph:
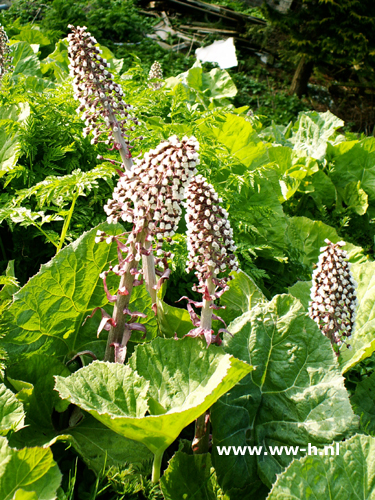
(301, 77)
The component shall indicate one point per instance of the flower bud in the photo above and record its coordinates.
(333, 295)
(156, 72)
(5, 51)
(209, 236)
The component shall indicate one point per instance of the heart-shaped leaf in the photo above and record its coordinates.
(176, 381)
(295, 396)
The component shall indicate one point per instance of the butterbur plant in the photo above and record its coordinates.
(211, 252)
(149, 197)
(101, 104)
(5, 53)
(333, 295)
(248, 366)
(156, 73)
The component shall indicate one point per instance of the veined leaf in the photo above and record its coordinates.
(242, 296)
(246, 146)
(30, 470)
(25, 61)
(345, 476)
(295, 396)
(313, 130)
(173, 320)
(47, 313)
(191, 476)
(363, 402)
(58, 61)
(176, 381)
(307, 237)
(11, 411)
(352, 162)
(363, 341)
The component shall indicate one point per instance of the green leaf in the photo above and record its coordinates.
(295, 396)
(176, 381)
(191, 477)
(32, 35)
(141, 301)
(11, 411)
(324, 193)
(101, 448)
(217, 84)
(346, 476)
(301, 291)
(34, 381)
(10, 146)
(242, 296)
(246, 146)
(307, 237)
(256, 213)
(173, 320)
(363, 402)
(313, 130)
(47, 313)
(354, 197)
(25, 61)
(58, 61)
(352, 162)
(26, 471)
(363, 342)
(10, 285)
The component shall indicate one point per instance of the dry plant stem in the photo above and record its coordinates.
(124, 151)
(149, 273)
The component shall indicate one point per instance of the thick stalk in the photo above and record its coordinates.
(67, 223)
(124, 150)
(149, 272)
(156, 466)
(116, 332)
(206, 315)
(202, 434)
(202, 424)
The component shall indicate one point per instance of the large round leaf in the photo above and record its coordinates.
(295, 395)
(177, 382)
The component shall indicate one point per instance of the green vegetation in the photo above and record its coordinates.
(288, 177)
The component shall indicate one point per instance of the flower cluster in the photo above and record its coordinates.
(333, 295)
(156, 72)
(101, 102)
(5, 57)
(150, 197)
(210, 236)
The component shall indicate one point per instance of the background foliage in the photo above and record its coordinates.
(287, 186)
